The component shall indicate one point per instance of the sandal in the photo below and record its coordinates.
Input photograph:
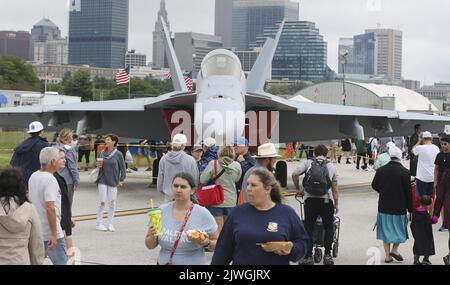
(396, 256)
(389, 260)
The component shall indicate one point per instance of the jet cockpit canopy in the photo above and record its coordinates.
(221, 62)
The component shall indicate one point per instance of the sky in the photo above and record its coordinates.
(424, 23)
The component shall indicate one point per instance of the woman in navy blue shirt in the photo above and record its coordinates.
(263, 219)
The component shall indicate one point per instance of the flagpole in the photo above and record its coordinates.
(129, 88)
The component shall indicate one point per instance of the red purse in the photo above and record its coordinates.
(211, 195)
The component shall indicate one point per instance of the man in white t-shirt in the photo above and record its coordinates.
(426, 152)
(45, 195)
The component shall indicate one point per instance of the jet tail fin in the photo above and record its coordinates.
(175, 69)
(258, 74)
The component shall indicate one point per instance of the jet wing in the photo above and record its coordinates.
(142, 117)
(307, 121)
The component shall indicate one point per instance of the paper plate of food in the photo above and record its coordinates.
(271, 246)
(197, 235)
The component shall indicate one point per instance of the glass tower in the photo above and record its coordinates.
(250, 17)
(365, 54)
(98, 32)
(301, 53)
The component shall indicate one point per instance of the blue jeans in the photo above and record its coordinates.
(59, 255)
(219, 212)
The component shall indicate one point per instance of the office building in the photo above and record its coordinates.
(389, 52)
(223, 21)
(248, 58)
(47, 46)
(15, 44)
(133, 59)
(250, 17)
(191, 48)
(301, 52)
(98, 32)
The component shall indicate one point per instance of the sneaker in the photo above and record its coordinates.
(149, 169)
(134, 169)
(426, 262)
(447, 259)
(306, 261)
(328, 260)
(111, 228)
(442, 229)
(101, 228)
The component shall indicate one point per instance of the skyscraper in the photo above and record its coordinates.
(250, 17)
(45, 30)
(159, 46)
(98, 32)
(223, 21)
(365, 54)
(389, 53)
(301, 53)
(47, 44)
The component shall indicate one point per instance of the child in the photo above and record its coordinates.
(421, 228)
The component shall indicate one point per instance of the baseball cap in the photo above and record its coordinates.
(196, 147)
(209, 142)
(179, 139)
(427, 135)
(241, 141)
(35, 127)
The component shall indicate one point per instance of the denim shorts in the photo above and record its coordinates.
(218, 212)
(424, 188)
(59, 255)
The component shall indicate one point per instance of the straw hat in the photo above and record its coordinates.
(267, 150)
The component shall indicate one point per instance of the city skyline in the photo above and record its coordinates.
(198, 16)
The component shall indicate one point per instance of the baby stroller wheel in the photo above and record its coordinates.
(318, 255)
(335, 249)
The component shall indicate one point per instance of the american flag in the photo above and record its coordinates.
(123, 76)
(188, 81)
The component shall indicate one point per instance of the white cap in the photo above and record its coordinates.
(179, 139)
(390, 144)
(35, 127)
(209, 142)
(395, 152)
(427, 135)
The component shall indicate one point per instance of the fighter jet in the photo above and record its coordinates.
(226, 104)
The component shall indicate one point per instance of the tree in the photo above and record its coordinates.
(79, 85)
(16, 74)
(279, 90)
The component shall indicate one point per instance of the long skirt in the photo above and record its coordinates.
(392, 228)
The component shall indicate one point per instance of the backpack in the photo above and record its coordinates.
(317, 181)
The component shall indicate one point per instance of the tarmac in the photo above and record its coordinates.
(357, 242)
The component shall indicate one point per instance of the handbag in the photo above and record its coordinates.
(212, 194)
(94, 175)
(180, 233)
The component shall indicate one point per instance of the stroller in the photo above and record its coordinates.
(319, 234)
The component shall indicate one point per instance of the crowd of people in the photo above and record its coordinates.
(37, 194)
